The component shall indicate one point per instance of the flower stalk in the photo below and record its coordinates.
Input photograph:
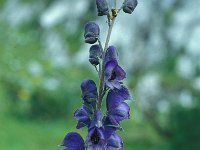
(102, 129)
(101, 85)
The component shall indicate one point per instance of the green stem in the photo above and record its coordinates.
(101, 85)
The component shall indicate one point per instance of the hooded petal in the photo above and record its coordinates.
(83, 114)
(89, 91)
(118, 114)
(73, 141)
(114, 142)
(109, 68)
(116, 97)
(111, 54)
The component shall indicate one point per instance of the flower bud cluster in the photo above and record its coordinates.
(102, 128)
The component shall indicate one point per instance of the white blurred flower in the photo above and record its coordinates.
(35, 68)
(185, 67)
(62, 9)
(185, 98)
(51, 84)
(163, 106)
(148, 90)
(196, 83)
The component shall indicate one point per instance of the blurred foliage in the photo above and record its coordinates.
(184, 126)
(28, 92)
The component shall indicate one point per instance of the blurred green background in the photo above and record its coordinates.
(43, 60)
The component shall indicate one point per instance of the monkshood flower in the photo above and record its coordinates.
(104, 138)
(95, 54)
(102, 7)
(113, 75)
(117, 109)
(101, 137)
(95, 138)
(129, 6)
(91, 32)
(113, 72)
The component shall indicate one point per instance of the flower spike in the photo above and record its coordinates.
(102, 128)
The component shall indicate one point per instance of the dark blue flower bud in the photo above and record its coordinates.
(94, 54)
(91, 32)
(89, 91)
(102, 7)
(129, 6)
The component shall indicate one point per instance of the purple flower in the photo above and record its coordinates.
(113, 74)
(73, 141)
(129, 6)
(95, 54)
(102, 7)
(117, 109)
(83, 114)
(91, 32)
(101, 137)
(95, 138)
(89, 91)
